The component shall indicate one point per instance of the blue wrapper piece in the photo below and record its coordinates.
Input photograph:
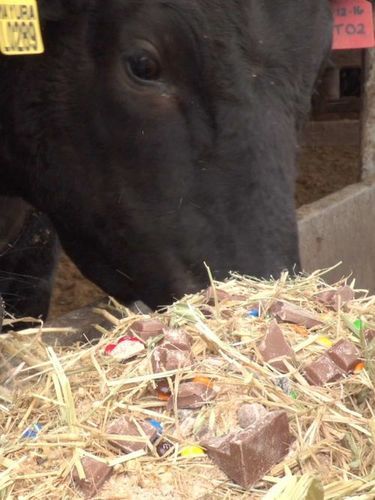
(254, 313)
(32, 431)
(157, 425)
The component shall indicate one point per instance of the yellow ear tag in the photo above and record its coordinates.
(20, 33)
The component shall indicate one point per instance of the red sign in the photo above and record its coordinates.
(353, 24)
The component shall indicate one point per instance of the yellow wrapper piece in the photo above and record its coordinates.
(324, 341)
(191, 451)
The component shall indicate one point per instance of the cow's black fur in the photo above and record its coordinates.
(146, 180)
(28, 256)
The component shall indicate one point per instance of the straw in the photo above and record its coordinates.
(75, 392)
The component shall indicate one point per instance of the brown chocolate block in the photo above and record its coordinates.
(206, 311)
(345, 354)
(192, 395)
(322, 371)
(294, 314)
(220, 294)
(274, 346)
(246, 456)
(369, 336)
(326, 297)
(248, 414)
(146, 329)
(124, 427)
(96, 475)
(336, 298)
(178, 339)
(162, 386)
(166, 357)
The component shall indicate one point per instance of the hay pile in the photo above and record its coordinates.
(73, 393)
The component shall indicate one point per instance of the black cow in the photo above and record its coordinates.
(157, 135)
(28, 255)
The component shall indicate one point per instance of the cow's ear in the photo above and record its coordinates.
(56, 10)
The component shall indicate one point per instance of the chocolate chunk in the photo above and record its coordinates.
(162, 386)
(192, 395)
(246, 456)
(146, 329)
(96, 475)
(336, 298)
(345, 355)
(327, 297)
(206, 311)
(220, 295)
(248, 414)
(178, 339)
(294, 314)
(274, 346)
(163, 447)
(124, 427)
(166, 357)
(369, 336)
(322, 371)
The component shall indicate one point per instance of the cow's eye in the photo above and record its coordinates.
(144, 67)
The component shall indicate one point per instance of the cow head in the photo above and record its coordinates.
(165, 136)
(56, 10)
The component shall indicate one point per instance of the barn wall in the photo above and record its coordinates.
(368, 117)
(340, 227)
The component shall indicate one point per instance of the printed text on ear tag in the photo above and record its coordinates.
(353, 24)
(20, 32)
